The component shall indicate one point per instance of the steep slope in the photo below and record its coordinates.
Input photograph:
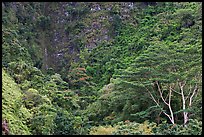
(13, 110)
(74, 68)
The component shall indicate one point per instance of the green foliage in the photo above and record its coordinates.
(13, 109)
(32, 98)
(66, 99)
(19, 34)
(75, 75)
(43, 22)
(61, 85)
(166, 60)
(193, 128)
(69, 124)
(20, 70)
(78, 77)
(64, 123)
(116, 105)
(95, 112)
(147, 128)
(42, 122)
(89, 68)
(12, 48)
(102, 130)
(132, 128)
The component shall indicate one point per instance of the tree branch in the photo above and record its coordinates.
(161, 93)
(152, 97)
(172, 115)
(175, 91)
(171, 118)
(194, 92)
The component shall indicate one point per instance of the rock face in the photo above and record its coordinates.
(62, 29)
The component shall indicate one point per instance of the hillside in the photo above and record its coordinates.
(92, 68)
(13, 109)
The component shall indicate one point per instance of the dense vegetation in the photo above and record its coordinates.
(99, 68)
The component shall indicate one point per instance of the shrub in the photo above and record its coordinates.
(194, 127)
(64, 123)
(12, 107)
(42, 122)
(133, 128)
(32, 98)
(102, 130)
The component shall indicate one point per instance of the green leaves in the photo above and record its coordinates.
(42, 122)
(117, 58)
(43, 22)
(13, 109)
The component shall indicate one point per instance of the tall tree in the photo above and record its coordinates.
(168, 71)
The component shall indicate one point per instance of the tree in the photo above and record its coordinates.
(167, 71)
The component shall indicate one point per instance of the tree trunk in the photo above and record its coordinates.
(185, 114)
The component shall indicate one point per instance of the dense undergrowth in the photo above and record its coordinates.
(144, 79)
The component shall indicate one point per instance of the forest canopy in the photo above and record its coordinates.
(101, 68)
